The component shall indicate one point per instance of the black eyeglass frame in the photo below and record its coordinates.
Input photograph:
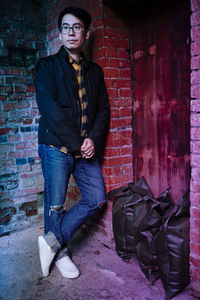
(73, 28)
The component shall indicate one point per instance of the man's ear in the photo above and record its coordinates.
(87, 34)
(60, 37)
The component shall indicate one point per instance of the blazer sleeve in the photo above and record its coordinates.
(102, 117)
(52, 114)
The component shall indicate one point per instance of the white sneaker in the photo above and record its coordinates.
(67, 267)
(46, 255)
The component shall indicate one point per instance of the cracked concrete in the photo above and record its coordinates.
(103, 274)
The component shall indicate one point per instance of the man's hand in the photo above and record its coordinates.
(88, 148)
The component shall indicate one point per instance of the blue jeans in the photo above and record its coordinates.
(57, 168)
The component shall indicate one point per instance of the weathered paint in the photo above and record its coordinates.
(161, 96)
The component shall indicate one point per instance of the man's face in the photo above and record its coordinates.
(72, 40)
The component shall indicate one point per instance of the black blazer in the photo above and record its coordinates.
(59, 105)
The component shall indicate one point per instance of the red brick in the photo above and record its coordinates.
(31, 89)
(195, 48)
(118, 63)
(195, 260)
(195, 33)
(195, 62)
(29, 152)
(112, 93)
(195, 105)
(110, 33)
(16, 71)
(127, 150)
(123, 53)
(114, 113)
(72, 196)
(194, 248)
(195, 18)
(117, 161)
(114, 63)
(3, 98)
(119, 179)
(111, 171)
(111, 72)
(195, 5)
(27, 121)
(125, 112)
(28, 191)
(195, 120)
(97, 23)
(4, 131)
(22, 105)
(14, 138)
(26, 145)
(195, 90)
(6, 88)
(119, 138)
(125, 73)
(195, 174)
(195, 77)
(18, 96)
(195, 146)
(100, 53)
(116, 43)
(127, 169)
(195, 273)
(195, 199)
(20, 88)
(124, 34)
(125, 93)
(102, 62)
(194, 223)
(195, 186)
(195, 160)
(15, 154)
(9, 106)
(195, 236)
(195, 132)
(111, 152)
(118, 83)
(120, 123)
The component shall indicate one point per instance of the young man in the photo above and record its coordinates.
(74, 109)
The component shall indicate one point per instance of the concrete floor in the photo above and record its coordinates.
(103, 274)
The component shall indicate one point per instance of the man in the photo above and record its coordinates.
(74, 109)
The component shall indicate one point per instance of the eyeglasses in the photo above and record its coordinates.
(76, 28)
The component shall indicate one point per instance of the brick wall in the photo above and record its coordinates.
(195, 149)
(22, 42)
(109, 47)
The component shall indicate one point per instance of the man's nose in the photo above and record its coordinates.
(71, 31)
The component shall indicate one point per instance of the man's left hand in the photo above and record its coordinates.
(87, 148)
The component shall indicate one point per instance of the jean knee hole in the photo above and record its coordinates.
(58, 209)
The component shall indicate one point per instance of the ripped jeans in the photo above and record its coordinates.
(57, 168)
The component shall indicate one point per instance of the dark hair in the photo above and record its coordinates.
(78, 12)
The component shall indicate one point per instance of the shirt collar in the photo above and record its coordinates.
(73, 61)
